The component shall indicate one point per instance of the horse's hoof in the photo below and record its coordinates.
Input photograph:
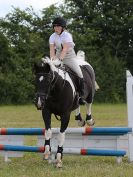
(81, 123)
(58, 160)
(90, 122)
(58, 163)
(46, 156)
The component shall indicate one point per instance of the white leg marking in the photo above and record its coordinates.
(61, 139)
(88, 107)
(91, 121)
(58, 161)
(48, 134)
(81, 123)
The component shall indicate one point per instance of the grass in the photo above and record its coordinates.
(31, 165)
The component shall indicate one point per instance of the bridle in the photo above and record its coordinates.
(52, 80)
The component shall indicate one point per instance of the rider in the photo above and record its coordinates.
(62, 47)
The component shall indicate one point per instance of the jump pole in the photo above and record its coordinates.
(84, 131)
(76, 151)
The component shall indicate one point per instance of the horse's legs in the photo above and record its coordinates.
(78, 117)
(61, 138)
(89, 119)
(48, 133)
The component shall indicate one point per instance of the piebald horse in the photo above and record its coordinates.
(57, 93)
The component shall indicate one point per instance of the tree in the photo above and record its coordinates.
(24, 39)
(102, 28)
(22, 46)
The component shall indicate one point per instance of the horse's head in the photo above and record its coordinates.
(44, 73)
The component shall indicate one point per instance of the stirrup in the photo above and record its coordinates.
(81, 101)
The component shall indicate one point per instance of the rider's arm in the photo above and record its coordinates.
(64, 50)
(52, 51)
(67, 43)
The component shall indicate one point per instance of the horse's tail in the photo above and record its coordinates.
(96, 86)
(81, 55)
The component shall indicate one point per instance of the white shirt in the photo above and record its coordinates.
(59, 40)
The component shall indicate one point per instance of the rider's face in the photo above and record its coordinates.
(58, 29)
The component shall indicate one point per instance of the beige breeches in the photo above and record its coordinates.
(71, 61)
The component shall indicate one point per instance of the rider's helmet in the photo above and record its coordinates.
(59, 21)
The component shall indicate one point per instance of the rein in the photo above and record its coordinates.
(51, 83)
(49, 86)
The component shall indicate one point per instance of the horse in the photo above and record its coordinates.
(57, 93)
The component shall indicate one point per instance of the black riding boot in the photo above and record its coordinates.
(81, 92)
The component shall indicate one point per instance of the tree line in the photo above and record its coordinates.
(103, 29)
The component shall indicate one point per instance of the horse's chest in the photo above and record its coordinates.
(54, 106)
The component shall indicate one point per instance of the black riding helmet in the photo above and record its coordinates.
(59, 21)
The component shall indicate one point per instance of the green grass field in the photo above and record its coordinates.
(32, 165)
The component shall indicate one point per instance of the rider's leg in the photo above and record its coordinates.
(73, 64)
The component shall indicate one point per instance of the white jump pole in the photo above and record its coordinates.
(129, 89)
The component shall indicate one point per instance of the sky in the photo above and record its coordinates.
(38, 5)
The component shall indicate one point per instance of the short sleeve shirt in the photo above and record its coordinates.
(59, 40)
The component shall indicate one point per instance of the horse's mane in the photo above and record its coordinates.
(56, 62)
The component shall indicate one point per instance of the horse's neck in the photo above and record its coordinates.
(58, 81)
(68, 75)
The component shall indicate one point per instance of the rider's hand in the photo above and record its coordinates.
(57, 62)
